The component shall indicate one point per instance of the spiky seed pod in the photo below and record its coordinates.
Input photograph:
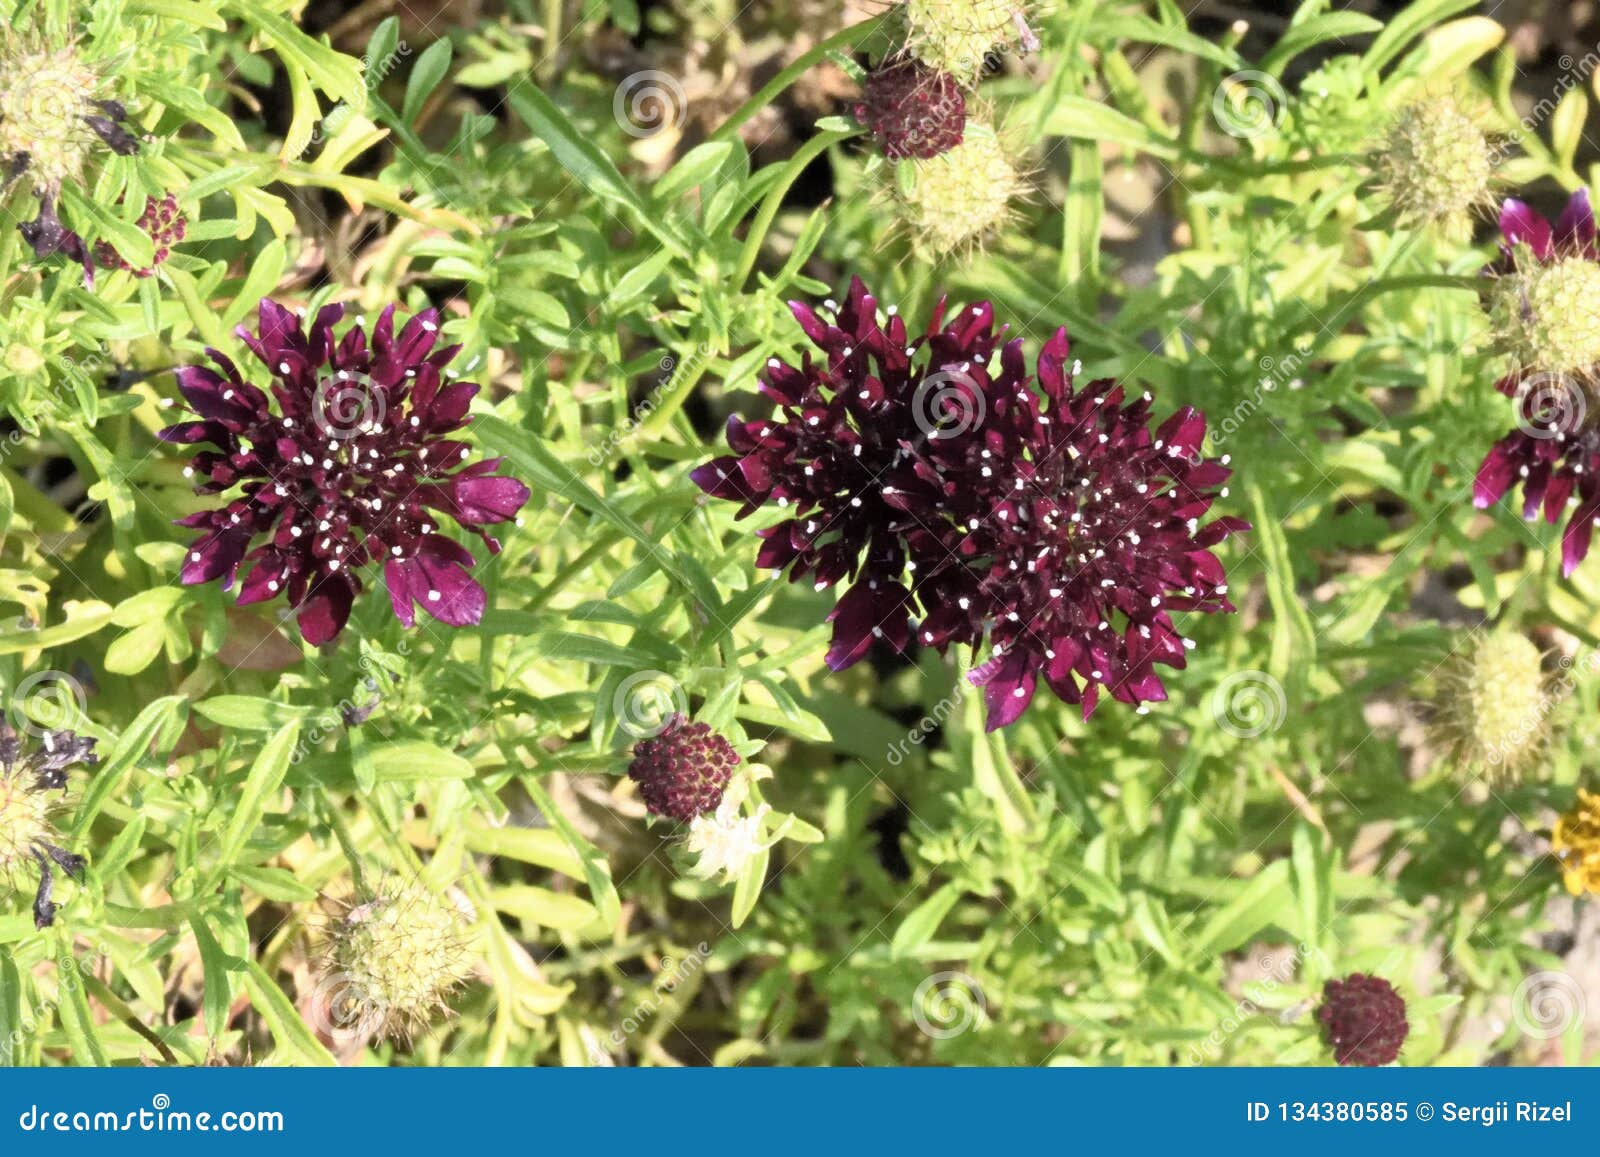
(1495, 705)
(911, 110)
(165, 225)
(1437, 164)
(1576, 843)
(53, 112)
(683, 772)
(956, 36)
(1364, 1019)
(392, 961)
(1549, 314)
(956, 199)
(27, 834)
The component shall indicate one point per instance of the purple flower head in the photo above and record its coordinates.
(163, 222)
(683, 770)
(1553, 300)
(936, 479)
(1364, 1019)
(912, 110)
(348, 460)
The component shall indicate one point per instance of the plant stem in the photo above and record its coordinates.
(847, 38)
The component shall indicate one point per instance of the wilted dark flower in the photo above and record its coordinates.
(165, 225)
(1548, 304)
(47, 236)
(912, 110)
(353, 464)
(1364, 1018)
(931, 475)
(683, 771)
(26, 832)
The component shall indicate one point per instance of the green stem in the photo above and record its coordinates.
(796, 164)
(847, 38)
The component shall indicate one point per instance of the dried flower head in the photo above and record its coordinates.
(911, 110)
(684, 770)
(1437, 163)
(955, 200)
(1364, 1019)
(1547, 299)
(27, 834)
(1576, 843)
(54, 111)
(726, 840)
(353, 464)
(956, 36)
(165, 225)
(1051, 522)
(1494, 705)
(392, 960)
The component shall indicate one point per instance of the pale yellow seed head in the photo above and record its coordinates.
(955, 35)
(1497, 706)
(1550, 314)
(398, 957)
(955, 200)
(44, 97)
(25, 811)
(1436, 163)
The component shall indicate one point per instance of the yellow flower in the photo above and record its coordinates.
(1577, 844)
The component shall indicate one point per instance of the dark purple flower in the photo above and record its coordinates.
(683, 771)
(165, 225)
(1364, 1019)
(934, 477)
(48, 236)
(1549, 293)
(912, 110)
(353, 464)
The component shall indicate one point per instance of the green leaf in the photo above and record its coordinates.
(263, 781)
(579, 155)
(250, 712)
(923, 921)
(291, 1033)
(563, 912)
(273, 884)
(218, 996)
(416, 759)
(430, 69)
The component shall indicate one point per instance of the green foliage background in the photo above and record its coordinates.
(1063, 892)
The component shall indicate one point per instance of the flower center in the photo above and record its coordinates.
(1553, 312)
(23, 821)
(1438, 160)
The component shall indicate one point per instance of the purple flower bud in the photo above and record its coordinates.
(1364, 1019)
(683, 771)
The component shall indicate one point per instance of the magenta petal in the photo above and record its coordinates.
(853, 618)
(1520, 225)
(1576, 226)
(324, 614)
(214, 557)
(1007, 695)
(1575, 541)
(1494, 477)
(397, 577)
(447, 592)
(485, 500)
